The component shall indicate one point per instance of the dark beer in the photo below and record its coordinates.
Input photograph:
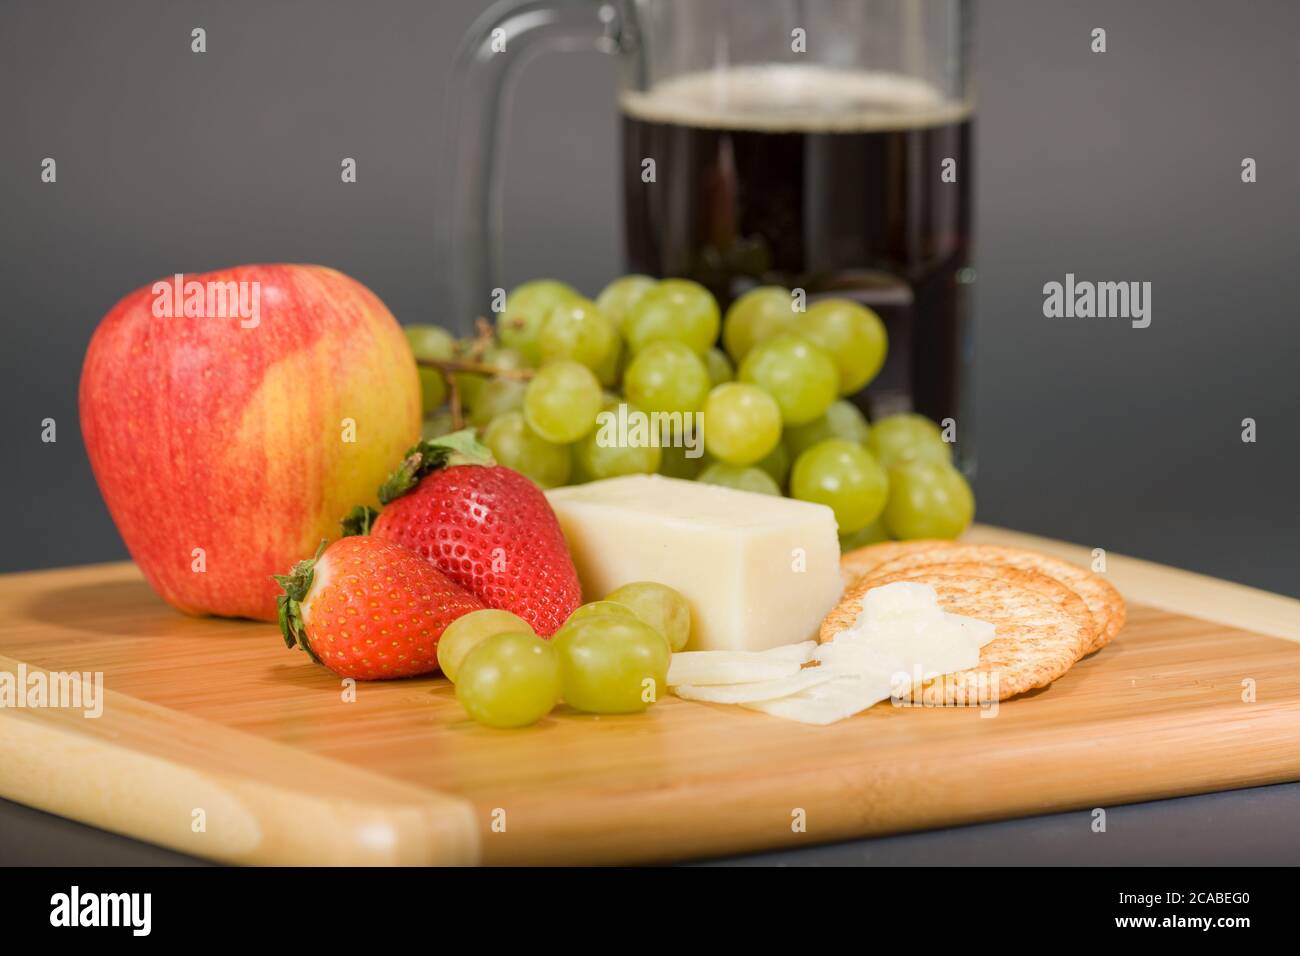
(817, 179)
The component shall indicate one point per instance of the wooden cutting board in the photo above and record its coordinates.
(218, 741)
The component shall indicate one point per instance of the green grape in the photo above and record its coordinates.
(658, 605)
(467, 383)
(602, 455)
(576, 330)
(515, 445)
(873, 533)
(526, 308)
(469, 630)
(756, 316)
(496, 397)
(562, 401)
(742, 423)
(686, 434)
(675, 310)
(719, 366)
(777, 464)
(500, 357)
(577, 474)
(610, 367)
(599, 609)
(908, 437)
(852, 335)
(741, 478)
(799, 375)
(938, 453)
(844, 476)
(675, 462)
(927, 500)
(611, 664)
(509, 680)
(620, 295)
(431, 342)
(842, 420)
(437, 425)
(667, 377)
(470, 384)
(433, 389)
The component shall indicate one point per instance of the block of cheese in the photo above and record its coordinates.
(758, 570)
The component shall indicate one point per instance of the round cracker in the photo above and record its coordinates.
(1035, 642)
(1098, 594)
(1062, 595)
(864, 560)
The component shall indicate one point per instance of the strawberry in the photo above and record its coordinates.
(486, 527)
(369, 609)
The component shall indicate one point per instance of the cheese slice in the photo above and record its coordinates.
(735, 667)
(832, 701)
(900, 639)
(902, 630)
(759, 571)
(759, 690)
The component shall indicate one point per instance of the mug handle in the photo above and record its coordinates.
(486, 69)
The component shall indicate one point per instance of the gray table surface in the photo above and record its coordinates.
(1249, 827)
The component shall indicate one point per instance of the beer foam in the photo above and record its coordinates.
(788, 97)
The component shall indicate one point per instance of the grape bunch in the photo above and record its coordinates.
(610, 657)
(771, 383)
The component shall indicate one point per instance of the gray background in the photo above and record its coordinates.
(1117, 166)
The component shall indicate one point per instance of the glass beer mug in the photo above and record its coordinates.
(822, 145)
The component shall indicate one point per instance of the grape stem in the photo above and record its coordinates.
(481, 368)
(483, 339)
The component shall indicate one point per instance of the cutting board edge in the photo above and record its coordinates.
(910, 806)
(61, 762)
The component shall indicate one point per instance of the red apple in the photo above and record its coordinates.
(233, 418)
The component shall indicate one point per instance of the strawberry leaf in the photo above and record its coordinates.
(430, 455)
(288, 605)
(359, 520)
